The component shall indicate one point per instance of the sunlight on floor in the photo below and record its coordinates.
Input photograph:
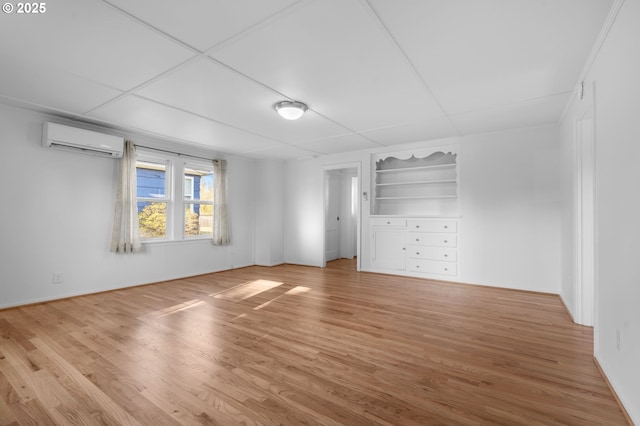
(293, 291)
(177, 308)
(298, 290)
(247, 290)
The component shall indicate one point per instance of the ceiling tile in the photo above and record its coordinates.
(211, 90)
(202, 23)
(476, 54)
(413, 132)
(47, 86)
(333, 56)
(92, 40)
(344, 143)
(283, 152)
(525, 114)
(137, 113)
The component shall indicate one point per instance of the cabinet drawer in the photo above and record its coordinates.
(432, 267)
(436, 225)
(432, 253)
(436, 240)
(388, 221)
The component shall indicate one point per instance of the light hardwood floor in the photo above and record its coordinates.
(299, 345)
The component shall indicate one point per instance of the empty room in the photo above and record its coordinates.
(336, 212)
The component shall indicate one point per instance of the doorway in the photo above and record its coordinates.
(342, 213)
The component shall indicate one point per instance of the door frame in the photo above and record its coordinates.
(325, 169)
(585, 219)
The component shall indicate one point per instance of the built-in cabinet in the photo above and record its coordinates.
(415, 245)
(414, 222)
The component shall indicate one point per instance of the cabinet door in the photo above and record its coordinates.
(389, 248)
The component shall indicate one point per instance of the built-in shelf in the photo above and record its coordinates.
(418, 197)
(405, 169)
(422, 182)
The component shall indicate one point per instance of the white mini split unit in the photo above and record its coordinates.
(80, 140)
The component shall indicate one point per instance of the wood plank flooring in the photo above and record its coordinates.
(297, 345)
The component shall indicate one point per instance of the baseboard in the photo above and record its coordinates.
(270, 265)
(626, 414)
(88, 292)
(566, 308)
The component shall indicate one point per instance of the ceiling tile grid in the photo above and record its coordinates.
(483, 54)
(153, 118)
(91, 40)
(202, 24)
(30, 82)
(206, 88)
(373, 72)
(338, 61)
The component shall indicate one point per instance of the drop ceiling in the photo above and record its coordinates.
(374, 73)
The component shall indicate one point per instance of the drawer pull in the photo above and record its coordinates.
(417, 226)
(417, 239)
(417, 266)
(446, 269)
(446, 227)
(388, 223)
(446, 255)
(418, 253)
(445, 241)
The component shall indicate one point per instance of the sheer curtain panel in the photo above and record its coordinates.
(125, 237)
(221, 235)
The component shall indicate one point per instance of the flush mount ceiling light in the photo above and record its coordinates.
(290, 110)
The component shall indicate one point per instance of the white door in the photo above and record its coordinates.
(332, 195)
(348, 213)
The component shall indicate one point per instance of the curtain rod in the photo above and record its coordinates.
(179, 154)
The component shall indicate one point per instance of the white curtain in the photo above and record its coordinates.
(221, 235)
(124, 238)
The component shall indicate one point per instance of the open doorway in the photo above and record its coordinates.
(342, 213)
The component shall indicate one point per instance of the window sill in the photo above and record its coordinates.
(173, 242)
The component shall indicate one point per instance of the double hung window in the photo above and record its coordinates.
(198, 200)
(153, 197)
(174, 197)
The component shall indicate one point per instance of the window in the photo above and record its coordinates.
(173, 209)
(198, 200)
(152, 198)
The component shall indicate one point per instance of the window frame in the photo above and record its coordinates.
(191, 179)
(147, 157)
(175, 194)
(194, 164)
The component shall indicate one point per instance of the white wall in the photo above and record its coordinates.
(56, 214)
(615, 73)
(269, 212)
(510, 193)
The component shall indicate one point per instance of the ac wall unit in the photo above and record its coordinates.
(80, 140)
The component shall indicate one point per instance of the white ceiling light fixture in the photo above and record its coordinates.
(290, 110)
